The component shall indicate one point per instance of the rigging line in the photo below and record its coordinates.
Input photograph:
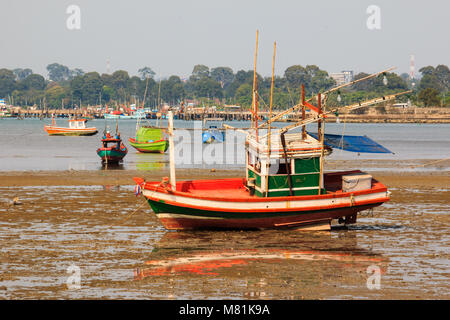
(290, 95)
(130, 215)
(259, 96)
(428, 163)
(265, 105)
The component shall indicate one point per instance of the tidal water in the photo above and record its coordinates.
(26, 146)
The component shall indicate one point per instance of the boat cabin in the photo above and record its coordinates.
(77, 124)
(293, 168)
(109, 139)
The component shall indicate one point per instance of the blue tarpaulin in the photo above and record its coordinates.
(361, 144)
(213, 135)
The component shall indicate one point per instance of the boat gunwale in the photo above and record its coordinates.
(358, 204)
(155, 186)
(132, 140)
(54, 128)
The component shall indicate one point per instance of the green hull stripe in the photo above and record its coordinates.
(113, 153)
(159, 207)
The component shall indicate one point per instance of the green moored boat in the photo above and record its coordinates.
(150, 139)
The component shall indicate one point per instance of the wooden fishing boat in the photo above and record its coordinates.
(77, 127)
(113, 150)
(228, 203)
(150, 140)
(284, 185)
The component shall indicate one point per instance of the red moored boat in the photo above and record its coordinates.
(227, 203)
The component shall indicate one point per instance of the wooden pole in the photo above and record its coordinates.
(287, 163)
(346, 108)
(320, 135)
(255, 92)
(171, 152)
(303, 112)
(270, 116)
(279, 115)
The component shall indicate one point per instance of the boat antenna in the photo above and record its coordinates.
(104, 132)
(159, 102)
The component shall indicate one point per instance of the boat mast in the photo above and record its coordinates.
(138, 122)
(171, 152)
(255, 93)
(145, 93)
(303, 112)
(270, 123)
(159, 104)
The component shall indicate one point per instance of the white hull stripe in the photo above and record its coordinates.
(222, 206)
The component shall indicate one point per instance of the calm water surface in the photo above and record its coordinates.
(26, 146)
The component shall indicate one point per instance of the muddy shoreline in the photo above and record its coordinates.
(426, 172)
(92, 220)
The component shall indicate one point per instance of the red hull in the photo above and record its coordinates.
(300, 220)
(226, 204)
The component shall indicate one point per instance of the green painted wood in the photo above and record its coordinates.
(307, 165)
(160, 146)
(252, 174)
(298, 181)
(286, 193)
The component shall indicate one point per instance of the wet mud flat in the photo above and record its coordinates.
(122, 252)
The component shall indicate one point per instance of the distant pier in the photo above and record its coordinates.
(389, 115)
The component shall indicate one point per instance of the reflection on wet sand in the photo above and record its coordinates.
(251, 261)
(112, 166)
(150, 161)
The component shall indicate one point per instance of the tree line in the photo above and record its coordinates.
(66, 88)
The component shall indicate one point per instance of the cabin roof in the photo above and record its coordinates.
(77, 120)
(296, 147)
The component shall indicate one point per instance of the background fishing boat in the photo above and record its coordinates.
(77, 127)
(214, 131)
(150, 140)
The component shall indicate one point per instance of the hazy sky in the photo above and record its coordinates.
(172, 36)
